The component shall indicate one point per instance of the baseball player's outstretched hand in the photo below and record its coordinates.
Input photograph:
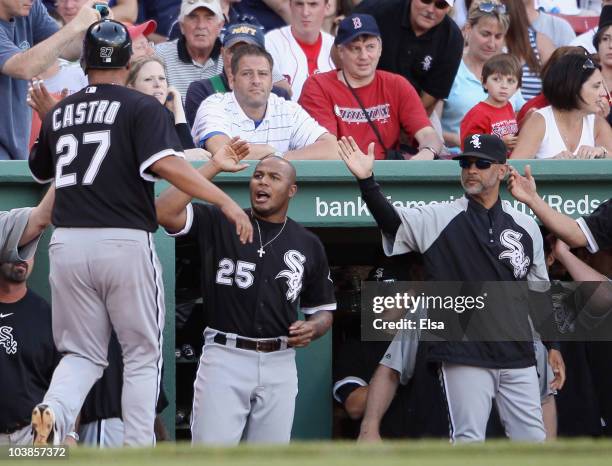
(235, 214)
(358, 163)
(301, 333)
(523, 188)
(228, 158)
(555, 359)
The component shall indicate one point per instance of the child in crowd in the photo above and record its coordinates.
(501, 77)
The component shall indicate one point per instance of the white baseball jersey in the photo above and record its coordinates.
(290, 60)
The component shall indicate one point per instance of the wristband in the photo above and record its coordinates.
(73, 435)
(430, 149)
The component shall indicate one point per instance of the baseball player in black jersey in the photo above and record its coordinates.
(475, 238)
(105, 146)
(246, 381)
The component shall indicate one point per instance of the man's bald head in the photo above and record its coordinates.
(283, 165)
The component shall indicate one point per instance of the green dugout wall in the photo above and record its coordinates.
(328, 197)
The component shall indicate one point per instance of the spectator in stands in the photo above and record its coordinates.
(236, 34)
(554, 27)
(586, 39)
(366, 103)
(302, 48)
(196, 53)
(485, 32)
(532, 48)
(501, 77)
(568, 127)
(540, 101)
(603, 44)
(30, 42)
(141, 45)
(422, 43)
(270, 124)
(271, 14)
(163, 12)
(27, 352)
(123, 10)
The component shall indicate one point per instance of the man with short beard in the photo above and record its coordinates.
(476, 238)
(27, 352)
(246, 383)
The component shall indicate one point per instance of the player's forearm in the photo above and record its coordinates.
(322, 321)
(579, 270)
(259, 151)
(32, 62)
(387, 218)
(558, 224)
(325, 148)
(183, 176)
(381, 391)
(40, 218)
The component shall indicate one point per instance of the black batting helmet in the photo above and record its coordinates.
(107, 45)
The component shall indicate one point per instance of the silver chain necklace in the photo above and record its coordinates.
(261, 251)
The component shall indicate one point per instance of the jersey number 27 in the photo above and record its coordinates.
(70, 144)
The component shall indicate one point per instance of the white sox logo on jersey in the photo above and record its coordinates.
(426, 63)
(515, 252)
(7, 341)
(295, 261)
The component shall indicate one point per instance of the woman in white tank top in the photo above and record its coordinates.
(569, 127)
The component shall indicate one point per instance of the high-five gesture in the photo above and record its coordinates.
(228, 158)
(523, 188)
(358, 163)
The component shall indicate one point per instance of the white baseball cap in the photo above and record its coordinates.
(187, 6)
(450, 2)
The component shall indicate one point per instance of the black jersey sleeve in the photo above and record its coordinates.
(200, 219)
(41, 160)
(318, 292)
(383, 212)
(597, 227)
(154, 135)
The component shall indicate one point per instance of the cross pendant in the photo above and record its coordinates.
(261, 252)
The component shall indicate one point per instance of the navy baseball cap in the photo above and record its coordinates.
(484, 146)
(244, 32)
(354, 26)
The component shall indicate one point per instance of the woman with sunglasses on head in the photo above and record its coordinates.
(533, 49)
(148, 75)
(485, 31)
(569, 128)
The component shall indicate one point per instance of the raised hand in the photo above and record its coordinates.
(39, 98)
(228, 158)
(360, 164)
(523, 188)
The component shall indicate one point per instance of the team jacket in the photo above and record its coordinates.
(463, 241)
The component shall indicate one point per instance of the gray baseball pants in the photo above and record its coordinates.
(470, 392)
(243, 395)
(102, 278)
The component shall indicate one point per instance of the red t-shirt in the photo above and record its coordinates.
(485, 118)
(390, 100)
(536, 103)
(312, 53)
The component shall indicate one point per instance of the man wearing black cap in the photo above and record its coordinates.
(236, 34)
(365, 103)
(476, 238)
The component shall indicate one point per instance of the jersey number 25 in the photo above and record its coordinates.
(243, 278)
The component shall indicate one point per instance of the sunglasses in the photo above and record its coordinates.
(588, 64)
(490, 7)
(439, 4)
(481, 164)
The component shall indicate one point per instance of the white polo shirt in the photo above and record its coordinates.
(285, 126)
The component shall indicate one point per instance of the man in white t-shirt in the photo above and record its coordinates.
(302, 48)
(271, 124)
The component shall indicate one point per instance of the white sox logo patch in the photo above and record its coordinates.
(295, 261)
(7, 341)
(475, 141)
(426, 63)
(515, 252)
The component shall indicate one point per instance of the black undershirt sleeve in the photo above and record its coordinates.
(383, 212)
(182, 130)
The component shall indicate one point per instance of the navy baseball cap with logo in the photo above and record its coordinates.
(354, 26)
(484, 146)
(244, 32)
